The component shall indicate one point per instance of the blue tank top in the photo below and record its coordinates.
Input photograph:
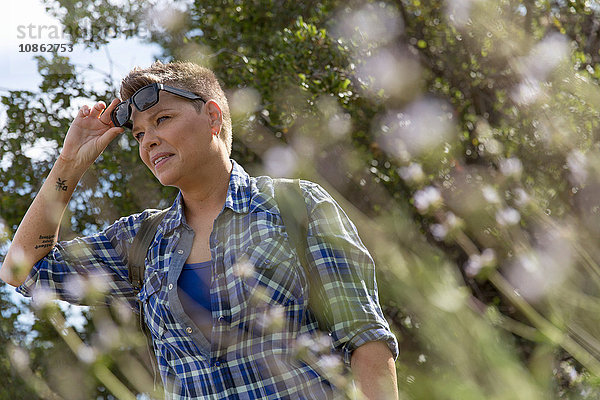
(193, 288)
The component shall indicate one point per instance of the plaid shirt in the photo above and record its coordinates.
(263, 336)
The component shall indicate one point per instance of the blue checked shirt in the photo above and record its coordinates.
(261, 344)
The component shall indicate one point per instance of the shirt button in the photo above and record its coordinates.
(221, 319)
(188, 329)
(267, 261)
(179, 251)
(170, 286)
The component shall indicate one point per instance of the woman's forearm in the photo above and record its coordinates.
(38, 231)
(87, 137)
(374, 371)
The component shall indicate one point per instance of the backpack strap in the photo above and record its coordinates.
(136, 263)
(290, 201)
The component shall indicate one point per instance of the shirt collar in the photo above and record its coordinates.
(239, 192)
(239, 195)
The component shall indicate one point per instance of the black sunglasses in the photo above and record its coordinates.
(143, 99)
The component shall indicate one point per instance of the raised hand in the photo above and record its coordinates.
(89, 134)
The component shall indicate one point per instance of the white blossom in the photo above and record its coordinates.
(508, 217)
(521, 197)
(427, 198)
(490, 194)
(412, 173)
(476, 262)
(577, 164)
(438, 231)
(511, 167)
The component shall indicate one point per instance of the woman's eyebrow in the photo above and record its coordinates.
(154, 112)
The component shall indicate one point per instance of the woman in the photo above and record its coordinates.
(233, 332)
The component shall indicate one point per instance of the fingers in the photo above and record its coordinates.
(110, 135)
(84, 111)
(105, 116)
(99, 111)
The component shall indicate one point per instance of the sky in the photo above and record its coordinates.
(28, 24)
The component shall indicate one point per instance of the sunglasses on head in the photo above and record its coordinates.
(143, 99)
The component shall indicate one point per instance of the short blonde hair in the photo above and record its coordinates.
(187, 76)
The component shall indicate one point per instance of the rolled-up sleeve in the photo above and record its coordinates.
(97, 262)
(347, 274)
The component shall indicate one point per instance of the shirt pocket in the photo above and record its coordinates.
(153, 298)
(271, 274)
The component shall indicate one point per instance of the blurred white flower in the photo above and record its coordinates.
(577, 164)
(511, 167)
(330, 363)
(322, 343)
(452, 221)
(493, 146)
(458, 11)
(438, 231)
(122, 310)
(448, 297)
(244, 101)
(108, 334)
(521, 197)
(473, 265)
(86, 354)
(272, 318)
(490, 194)
(243, 268)
(280, 161)
(304, 341)
(427, 199)
(421, 127)
(526, 92)
(508, 216)
(488, 257)
(340, 125)
(390, 72)
(19, 358)
(536, 272)
(76, 287)
(543, 58)
(99, 283)
(373, 24)
(412, 173)
(42, 297)
(476, 262)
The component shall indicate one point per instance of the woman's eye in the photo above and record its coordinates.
(161, 119)
(138, 136)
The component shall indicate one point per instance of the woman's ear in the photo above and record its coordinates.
(215, 116)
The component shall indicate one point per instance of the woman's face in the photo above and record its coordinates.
(176, 141)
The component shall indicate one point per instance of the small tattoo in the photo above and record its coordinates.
(46, 241)
(61, 185)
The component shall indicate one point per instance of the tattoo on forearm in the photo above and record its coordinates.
(46, 241)
(61, 184)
